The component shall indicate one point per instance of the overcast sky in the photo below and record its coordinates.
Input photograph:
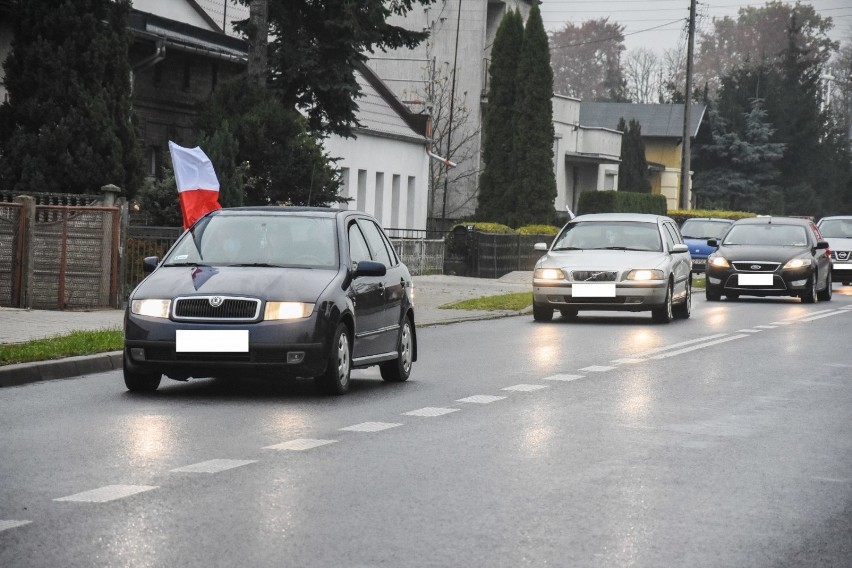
(661, 24)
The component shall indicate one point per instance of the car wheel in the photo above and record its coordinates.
(665, 313)
(399, 369)
(542, 313)
(684, 310)
(825, 295)
(140, 382)
(809, 296)
(569, 313)
(712, 295)
(335, 380)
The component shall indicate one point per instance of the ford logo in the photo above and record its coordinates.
(754, 267)
(216, 301)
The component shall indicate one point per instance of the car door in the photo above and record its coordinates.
(369, 298)
(681, 262)
(821, 256)
(393, 285)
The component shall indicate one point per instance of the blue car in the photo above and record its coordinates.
(696, 232)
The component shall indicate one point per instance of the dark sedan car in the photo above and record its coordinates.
(696, 232)
(273, 291)
(770, 256)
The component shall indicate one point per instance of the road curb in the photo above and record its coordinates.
(23, 373)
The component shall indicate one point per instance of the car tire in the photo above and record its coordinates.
(809, 296)
(335, 380)
(136, 381)
(684, 309)
(665, 313)
(712, 295)
(569, 313)
(542, 313)
(825, 295)
(399, 369)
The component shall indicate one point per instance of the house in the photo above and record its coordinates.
(662, 133)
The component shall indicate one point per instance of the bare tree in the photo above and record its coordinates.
(642, 74)
(586, 60)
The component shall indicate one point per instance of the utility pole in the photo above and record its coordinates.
(450, 125)
(686, 147)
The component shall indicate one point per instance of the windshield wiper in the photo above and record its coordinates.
(260, 264)
(567, 248)
(620, 248)
(186, 264)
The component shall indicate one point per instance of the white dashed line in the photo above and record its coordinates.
(213, 466)
(812, 318)
(564, 378)
(481, 399)
(6, 525)
(628, 360)
(765, 326)
(525, 388)
(107, 493)
(696, 347)
(300, 444)
(749, 330)
(597, 369)
(681, 344)
(430, 412)
(782, 322)
(371, 427)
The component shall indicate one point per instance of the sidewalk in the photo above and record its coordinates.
(430, 292)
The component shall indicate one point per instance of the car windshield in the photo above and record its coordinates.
(769, 234)
(258, 240)
(703, 229)
(836, 228)
(617, 235)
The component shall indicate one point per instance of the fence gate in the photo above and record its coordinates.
(11, 240)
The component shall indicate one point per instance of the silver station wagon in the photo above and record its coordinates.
(614, 261)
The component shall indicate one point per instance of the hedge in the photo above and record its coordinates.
(621, 202)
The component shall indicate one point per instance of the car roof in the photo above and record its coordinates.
(769, 220)
(640, 217)
(282, 210)
(714, 219)
(832, 217)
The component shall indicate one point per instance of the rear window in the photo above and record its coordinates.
(703, 229)
(772, 235)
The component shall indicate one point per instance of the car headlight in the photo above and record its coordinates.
(719, 262)
(151, 308)
(797, 263)
(645, 275)
(287, 310)
(548, 274)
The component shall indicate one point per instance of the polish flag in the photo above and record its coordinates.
(197, 184)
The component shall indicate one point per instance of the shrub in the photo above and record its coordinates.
(537, 230)
(621, 202)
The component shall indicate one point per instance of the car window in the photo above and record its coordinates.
(703, 229)
(670, 235)
(836, 228)
(378, 245)
(601, 235)
(358, 249)
(769, 234)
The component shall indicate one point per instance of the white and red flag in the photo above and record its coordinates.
(197, 184)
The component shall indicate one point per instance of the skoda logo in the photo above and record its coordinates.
(752, 267)
(216, 301)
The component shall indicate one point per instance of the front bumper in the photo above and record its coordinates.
(277, 348)
(784, 282)
(841, 270)
(629, 296)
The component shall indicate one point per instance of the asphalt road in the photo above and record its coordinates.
(722, 440)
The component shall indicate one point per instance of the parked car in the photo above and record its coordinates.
(273, 291)
(837, 230)
(696, 232)
(614, 261)
(770, 256)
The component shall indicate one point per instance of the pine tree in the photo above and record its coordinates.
(535, 181)
(633, 170)
(497, 180)
(67, 124)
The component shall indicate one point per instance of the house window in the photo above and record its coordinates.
(410, 202)
(361, 202)
(344, 188)
(609, 180)
(380, 197)
(394, 202)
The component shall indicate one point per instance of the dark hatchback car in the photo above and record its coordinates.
(696, 232)
(273, 291)
(770, 256)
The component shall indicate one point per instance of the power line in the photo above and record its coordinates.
(616, 37)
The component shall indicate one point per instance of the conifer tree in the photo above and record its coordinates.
(497, 180)
(535, 182)
(633, 170)
(67, 126)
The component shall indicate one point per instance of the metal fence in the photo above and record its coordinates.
(141, 242)
(499, 254)
(11, 231)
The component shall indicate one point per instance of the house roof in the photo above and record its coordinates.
(186, 36)
(379, 111)
(656, 120)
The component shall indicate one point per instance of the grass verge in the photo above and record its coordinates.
(75, 343)
(515, 302)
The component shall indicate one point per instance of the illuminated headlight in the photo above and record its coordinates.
(645, 275)
(720, 262)
(287, 310)
(151, 308)
(797, 263)
(548, 274)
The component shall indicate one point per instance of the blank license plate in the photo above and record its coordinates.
(754, 279)
(212, 340)
(841, 266)
(601, 290)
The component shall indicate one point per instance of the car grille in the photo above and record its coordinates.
(594, 276)
(756, 266)
(840, 254)
(229, 309)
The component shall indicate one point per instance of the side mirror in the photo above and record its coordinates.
(822, 245)
(149, 263)
(679, 248)
(540, 246)
(369, 268)
(713, 243)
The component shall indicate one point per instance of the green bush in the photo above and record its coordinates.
(482, 227)
(537, 230)
(680, 215)
(621, 202)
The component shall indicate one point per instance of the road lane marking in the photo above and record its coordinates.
(481, 399)
(696, 347)
(564, 378)
(371, 427)
(6, 525)
(828, 315)
(213, 466)
(782, 322)
(107, 493)
(525, 388)
(597, 369)
(749, 330)
(300, 445)
(430, 411)
(627, 360)
(764, 326)
(681, 344)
